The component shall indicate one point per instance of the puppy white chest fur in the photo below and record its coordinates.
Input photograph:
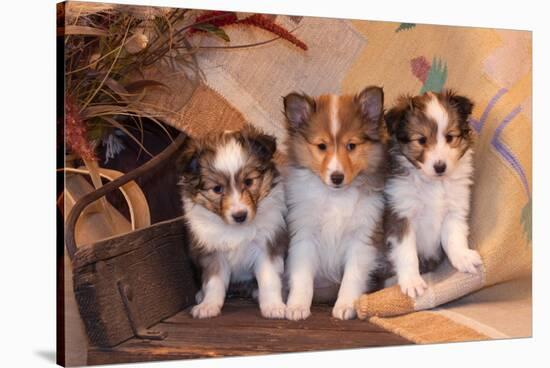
(240, 246)
(336, 222)
(425, 202)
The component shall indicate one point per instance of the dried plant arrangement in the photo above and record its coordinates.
(108, 47)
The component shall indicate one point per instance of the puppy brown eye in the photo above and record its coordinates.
(248, 182)
(322, 146)
(449, 138)
(350, 146)
(218, 189)
(422, 140)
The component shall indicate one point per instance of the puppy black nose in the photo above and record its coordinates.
(337, 178)
(239, 216)
(440, 167)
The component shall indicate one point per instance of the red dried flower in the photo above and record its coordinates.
(76, 132)
(420, 68)
(223, 18)
(263, 22)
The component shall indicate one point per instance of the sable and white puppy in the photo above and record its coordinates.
(334, 192)
(428, 191)
(234, 206)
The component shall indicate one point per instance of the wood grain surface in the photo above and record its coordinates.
(241, 330)
(151, 262)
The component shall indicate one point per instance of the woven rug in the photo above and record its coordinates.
(496, 312)
(492, 67)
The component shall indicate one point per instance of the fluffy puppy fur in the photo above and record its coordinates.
(234, 206)
(334, 195)
(428, 191)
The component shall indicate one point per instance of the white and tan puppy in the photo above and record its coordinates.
(335, 199)
(428, 190)
(234, 206)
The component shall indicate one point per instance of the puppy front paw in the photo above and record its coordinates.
(413, 286)
(297, 312)
(343, 311)
(465, 260)
(199, 296)
(273, 310)
(206, 310)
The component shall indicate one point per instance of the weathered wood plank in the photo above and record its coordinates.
(232, 311)
(153, 263)
(120, 244)
(242, 331)
(260, 339)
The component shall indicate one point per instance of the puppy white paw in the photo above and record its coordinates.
(206, 310)
(465, 260)
(297, 312)
(273, 310)
(199, 296)
(343, 311)
(255, 294)
(413, 286)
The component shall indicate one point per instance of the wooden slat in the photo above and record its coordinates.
(232, 316)
(240, 330)
(155, 266)
(117, 245)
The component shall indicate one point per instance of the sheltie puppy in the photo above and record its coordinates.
(234, 206)
(428, 189)
(334, 190)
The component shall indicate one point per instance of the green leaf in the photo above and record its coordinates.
(212, 29)
(404, 27)
(437, 76)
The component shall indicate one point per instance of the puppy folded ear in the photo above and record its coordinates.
(397, 114)
(263, 145)
(371, 103)
(189, 162)
(463, 105)
(298, 109)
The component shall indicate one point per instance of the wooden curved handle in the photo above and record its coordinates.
(83, 202)
(137, 203)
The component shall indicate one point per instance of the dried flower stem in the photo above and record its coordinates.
(76, 132)
(108, 72)
(117, 49)
(240, 46)
(263, 22)
(158, 54)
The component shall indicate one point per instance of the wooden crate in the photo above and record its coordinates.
(145, 275)
(127, 283)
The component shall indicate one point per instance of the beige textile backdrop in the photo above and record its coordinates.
(492, 67)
